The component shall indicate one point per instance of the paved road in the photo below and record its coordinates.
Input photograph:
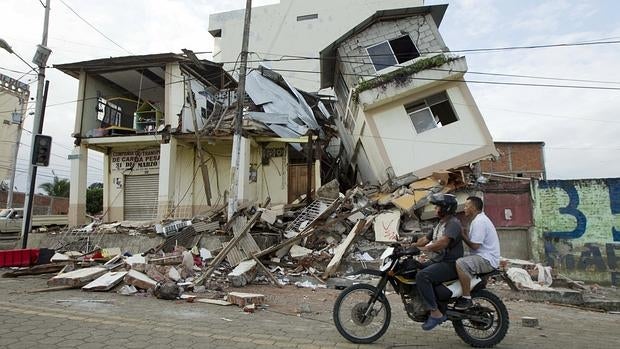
(75, 319)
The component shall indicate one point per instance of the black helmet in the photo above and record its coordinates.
(446, 202)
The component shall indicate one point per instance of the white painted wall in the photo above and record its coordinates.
(9, 103)
(275, 32)
(456, 144)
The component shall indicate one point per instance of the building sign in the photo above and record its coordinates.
(139, 160)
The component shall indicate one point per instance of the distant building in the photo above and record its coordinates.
(13, 105)
(292, 32)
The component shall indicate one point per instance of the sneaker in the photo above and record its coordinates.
(463, 303)
(432, 322)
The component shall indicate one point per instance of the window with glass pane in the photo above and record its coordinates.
(382, 56)
(432, 112)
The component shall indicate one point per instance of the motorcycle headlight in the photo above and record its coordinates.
(386, 264)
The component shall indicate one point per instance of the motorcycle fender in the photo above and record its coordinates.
(367, 271)
(455, 286)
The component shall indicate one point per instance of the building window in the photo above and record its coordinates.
(392, 52)
(307, 17)
(432, 112)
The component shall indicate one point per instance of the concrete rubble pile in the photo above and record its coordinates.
(314, 243)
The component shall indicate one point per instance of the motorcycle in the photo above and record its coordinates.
(362, 312)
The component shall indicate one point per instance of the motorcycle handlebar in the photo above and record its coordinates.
(399, 251)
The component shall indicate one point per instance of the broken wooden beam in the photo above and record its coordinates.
(36, 270)
(266, 271)
(341, 250)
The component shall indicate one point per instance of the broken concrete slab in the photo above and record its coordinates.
(139, 280)
(105, 282)
(386, 226)
(243, 274)
(242, 299)
(213, 301)
(269, 216)
(78, 277)
(297, 251)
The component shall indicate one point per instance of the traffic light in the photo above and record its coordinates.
(42, 150)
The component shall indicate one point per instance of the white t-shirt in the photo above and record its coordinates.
(482, 231)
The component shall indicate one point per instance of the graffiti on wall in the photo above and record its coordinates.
(578, 221)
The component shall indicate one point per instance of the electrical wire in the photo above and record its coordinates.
(92, 26)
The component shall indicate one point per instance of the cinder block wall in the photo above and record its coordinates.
(577, 228)
(42, 205)
(354, 62)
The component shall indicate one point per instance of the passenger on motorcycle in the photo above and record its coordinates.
(443, 246)
(484, 245)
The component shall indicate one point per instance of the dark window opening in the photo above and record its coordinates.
(392, 52)
(307, 17)
(432, 112)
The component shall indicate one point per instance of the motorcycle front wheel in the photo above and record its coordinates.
(492, 321)
(357, 318)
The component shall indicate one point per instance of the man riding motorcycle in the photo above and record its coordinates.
(443, 246)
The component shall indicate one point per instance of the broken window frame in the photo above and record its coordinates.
(429, 108)
(380, 67)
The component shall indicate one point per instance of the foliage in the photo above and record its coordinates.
(58, 187)
(402, 75)
(94, 198)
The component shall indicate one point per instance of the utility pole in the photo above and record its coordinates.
(236, 153)
(40, 59)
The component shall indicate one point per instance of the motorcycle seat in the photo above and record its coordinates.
(491, 273)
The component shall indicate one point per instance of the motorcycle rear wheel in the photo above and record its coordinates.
(349, 314)
(490, 333)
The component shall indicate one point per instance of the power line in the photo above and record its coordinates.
(92, 26)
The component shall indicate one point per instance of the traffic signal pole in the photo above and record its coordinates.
(37, 129)
(37, 125)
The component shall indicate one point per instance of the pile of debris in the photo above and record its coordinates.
(303, 243)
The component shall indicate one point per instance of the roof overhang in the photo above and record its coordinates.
(328, 54)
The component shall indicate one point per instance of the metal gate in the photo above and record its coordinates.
(141, 197)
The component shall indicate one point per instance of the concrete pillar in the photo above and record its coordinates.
(107, 185)
(77, 194)
(174, 94)
(167, 168)
(243, 192)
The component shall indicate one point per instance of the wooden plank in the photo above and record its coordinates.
(78, 277)
(342, 248)
(105, 282)
(267, 272)
(36, 270)
(213, 301)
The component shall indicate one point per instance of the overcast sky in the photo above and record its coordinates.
(579, 126)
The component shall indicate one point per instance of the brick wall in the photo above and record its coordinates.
(42, 205)
(577, 227)
(517, 159)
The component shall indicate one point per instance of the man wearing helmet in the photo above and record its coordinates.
(443, 246)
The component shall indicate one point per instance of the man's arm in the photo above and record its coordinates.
(475, 230)
(422, 241)
(438, 245)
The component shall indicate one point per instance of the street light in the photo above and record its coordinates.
(5, 45)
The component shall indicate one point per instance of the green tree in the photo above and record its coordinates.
(58, 187)
(94, 198)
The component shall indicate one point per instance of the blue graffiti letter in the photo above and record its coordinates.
(570, 209)
(614, 202)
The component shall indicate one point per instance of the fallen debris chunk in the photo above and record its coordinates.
(386, 226)
(214, 301)
(241, 299)
(105, 282)
(36, 270)
(243, 274)
(127, 290)
(299, 251)
(78, 277)
(168, 291)
(527, 321)
(139, 280)
(249, 308)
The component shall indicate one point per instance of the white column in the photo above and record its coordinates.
(167, 168)
(244, 171)
(79, 183)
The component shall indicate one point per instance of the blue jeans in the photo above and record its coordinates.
(432, 275)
